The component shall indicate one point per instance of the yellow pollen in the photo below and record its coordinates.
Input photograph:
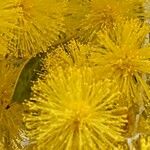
(80, 112)
(126, 64)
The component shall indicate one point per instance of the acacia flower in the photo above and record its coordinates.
(39, 22)
(125, 57)
(71, 54)
(8, 19)
(10, 125)
(103, 13)
(8, 16)
(144, 143)
(69, 110)
(10, 112)
(3, 47)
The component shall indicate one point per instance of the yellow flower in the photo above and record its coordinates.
(8, 16)
(144, 142)
(121, 146)
(10, 125)
(71, 54)
(3, 47)
(10, 113)
(104, 13)
(123, 56)
(39, 22)
(8, 19)
(76, 11)
(70, 110)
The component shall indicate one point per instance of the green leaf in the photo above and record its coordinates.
(29, 73)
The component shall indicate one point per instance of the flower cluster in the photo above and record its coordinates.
(72, 111)
(78, 71)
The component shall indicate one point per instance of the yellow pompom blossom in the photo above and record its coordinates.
(144, 142)
(69, 110)
(120, 146)
(8, 19)
(123, 56)
(10, 113)
(144, 125)
(147, 9)
(103, 13)
(144, 120)
(76, 11)
(8, 16)
(3, 47)
(71, 54)
(40, 23)
(10, 125)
